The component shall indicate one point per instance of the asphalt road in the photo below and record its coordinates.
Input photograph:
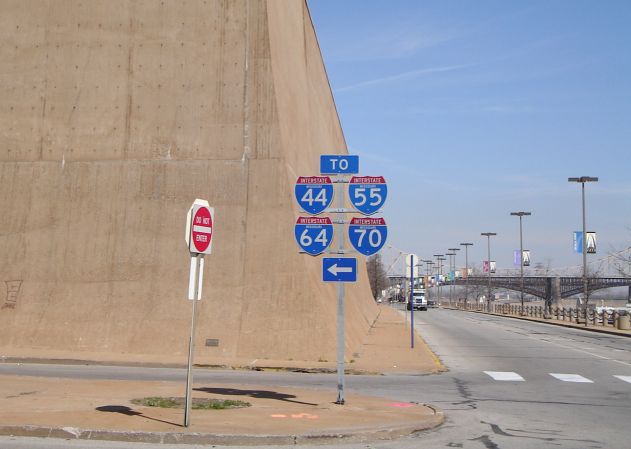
(511, 384)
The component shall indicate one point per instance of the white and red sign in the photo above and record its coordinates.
(199, 229)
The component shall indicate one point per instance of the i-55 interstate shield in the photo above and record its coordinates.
(367, 193)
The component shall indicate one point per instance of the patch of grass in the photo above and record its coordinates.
(218, 404)
(156, 401)
(198, 403)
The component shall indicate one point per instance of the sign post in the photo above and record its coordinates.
(411, 260)
(314, 195)
(199, 233)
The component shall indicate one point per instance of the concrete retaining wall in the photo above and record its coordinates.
(115, 116)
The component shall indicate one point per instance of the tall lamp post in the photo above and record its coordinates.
(439, 258)
(521, 256)
(582, 180)
(453, 271)
(451, 283)
(428, 264)
(466, 263)
(488, 236)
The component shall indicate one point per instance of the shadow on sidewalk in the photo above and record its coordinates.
(124, 410)
(260, 394)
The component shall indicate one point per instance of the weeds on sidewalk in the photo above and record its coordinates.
(198, 403)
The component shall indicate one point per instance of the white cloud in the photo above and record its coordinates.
(402, 76)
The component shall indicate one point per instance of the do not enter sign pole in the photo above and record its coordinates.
(199, 232)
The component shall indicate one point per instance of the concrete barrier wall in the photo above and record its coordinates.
(115, 116)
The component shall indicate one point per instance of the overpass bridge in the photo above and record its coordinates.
(549, 288)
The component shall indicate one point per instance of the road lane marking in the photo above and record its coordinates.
(571, 378)
(505, 376)
(625, 378)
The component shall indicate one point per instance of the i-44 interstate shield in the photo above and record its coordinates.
(314, 193)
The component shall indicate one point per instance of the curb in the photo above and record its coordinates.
(329, 436)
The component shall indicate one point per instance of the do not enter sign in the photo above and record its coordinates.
(199, 228)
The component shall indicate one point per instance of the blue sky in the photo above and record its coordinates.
(474, 109)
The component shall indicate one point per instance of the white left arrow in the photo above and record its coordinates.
(334, 269)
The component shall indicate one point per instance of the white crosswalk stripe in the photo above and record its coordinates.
(505, 375)
(511, 376)
(571, 378)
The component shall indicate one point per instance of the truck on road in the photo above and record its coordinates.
(419, 301)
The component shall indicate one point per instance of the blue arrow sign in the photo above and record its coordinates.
(314, 193)
(339, 269)
(367, 235)
(313, 234)
(367, 193)
(334, 164)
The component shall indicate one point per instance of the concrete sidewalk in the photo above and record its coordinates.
(102, 409)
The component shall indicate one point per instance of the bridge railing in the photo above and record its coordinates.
(604, 317)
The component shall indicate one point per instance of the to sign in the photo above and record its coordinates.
(199, 227)
(314, 193)
(313, 234)
(334, 164)
(367, 235)
(339, 269)
(368, 193)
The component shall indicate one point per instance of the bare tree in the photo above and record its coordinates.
(376, 275)
(622, 262)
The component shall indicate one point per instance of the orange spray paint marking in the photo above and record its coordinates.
(401, 404)
(304, 415)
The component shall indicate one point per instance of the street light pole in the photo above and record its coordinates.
(438, 257)
(466, 263)
(428, 264)
(521, 256)
(453, 271)
(583, 180)
(451, 283)
(488, 236)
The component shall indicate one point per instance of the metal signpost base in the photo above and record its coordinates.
(196, 276)
(340, 343)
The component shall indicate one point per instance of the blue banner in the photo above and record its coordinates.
(578, 242)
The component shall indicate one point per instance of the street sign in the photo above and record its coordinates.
(339, 269)
(409, 270)
(409, 258)
(335, 164)
(199, 227)
(367, 235)
(367, 193)
(313, 234)
(314, 193)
